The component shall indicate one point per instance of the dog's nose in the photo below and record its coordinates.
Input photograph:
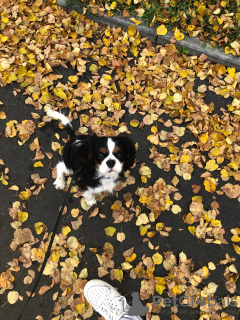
(110, 163)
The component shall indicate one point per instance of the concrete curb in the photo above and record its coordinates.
(194, 45)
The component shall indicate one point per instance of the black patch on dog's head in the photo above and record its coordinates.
(99, 149)
(125, 151)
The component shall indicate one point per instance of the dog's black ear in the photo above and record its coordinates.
(84, 152)
(130, 152)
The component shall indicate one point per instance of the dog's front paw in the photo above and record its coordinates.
(59, 184)
(90, 202)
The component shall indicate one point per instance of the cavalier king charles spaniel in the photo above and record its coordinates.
(99, 162)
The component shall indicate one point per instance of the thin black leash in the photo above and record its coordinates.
(50, 244)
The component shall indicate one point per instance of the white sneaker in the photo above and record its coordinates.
(106, 300)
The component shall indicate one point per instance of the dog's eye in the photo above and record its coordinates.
(100, 155)
(119, 155)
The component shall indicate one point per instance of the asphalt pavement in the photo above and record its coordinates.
(44, 207)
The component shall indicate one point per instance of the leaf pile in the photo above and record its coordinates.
(122, 84)
(216, 22)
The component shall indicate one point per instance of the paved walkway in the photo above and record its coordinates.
(43, 207)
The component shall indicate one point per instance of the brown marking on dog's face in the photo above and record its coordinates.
(116, 149)
(103, 150)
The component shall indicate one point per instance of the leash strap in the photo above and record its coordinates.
(50, 245)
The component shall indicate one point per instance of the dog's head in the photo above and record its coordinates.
(110, 155)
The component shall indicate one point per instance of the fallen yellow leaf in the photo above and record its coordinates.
(110, 231)
(161, 30)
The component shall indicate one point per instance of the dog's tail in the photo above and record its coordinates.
(64, 121)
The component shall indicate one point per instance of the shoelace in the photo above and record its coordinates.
(115, 309)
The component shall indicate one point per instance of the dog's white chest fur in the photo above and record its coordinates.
(106, 184)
